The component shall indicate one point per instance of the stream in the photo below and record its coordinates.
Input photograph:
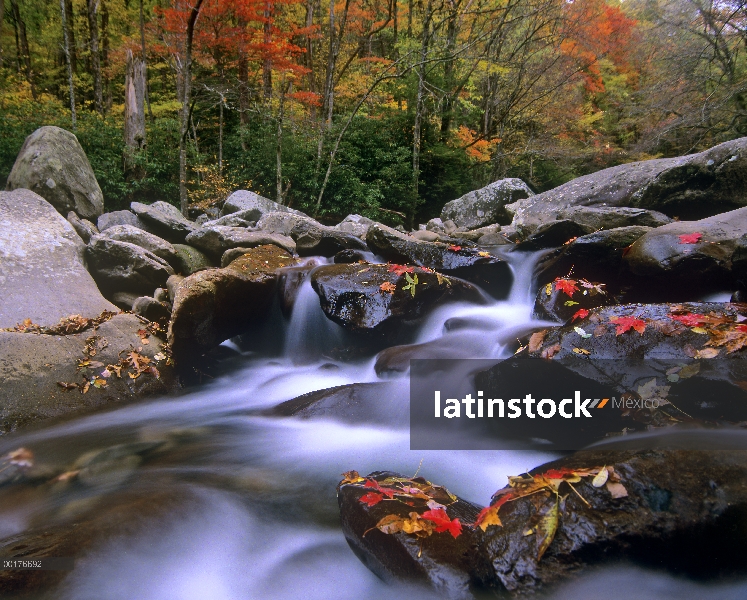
(252, 511)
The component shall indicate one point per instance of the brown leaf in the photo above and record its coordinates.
(547, 527)
(617, 490)
(351, 477)
(548, 353)
(536, 339)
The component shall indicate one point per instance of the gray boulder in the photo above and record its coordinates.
(152, 243)
(244, 218)
(486, 205)
(152, 309)
(214, 241)
(690, 187)
(553, 234)
(122, 266)
(165, 220)
(52, 164)
(121, 217)
(123, 300)
(355, 225)
(313, 239)
(253, 205)
(83, 227)
(612, 217)
(42, 266)
(190, 260)
(283, 222)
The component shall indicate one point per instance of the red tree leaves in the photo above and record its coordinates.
(690, 238)
(442, 522)
(566, 285)
(626, 323)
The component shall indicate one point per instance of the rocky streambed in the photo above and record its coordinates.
(181, 397)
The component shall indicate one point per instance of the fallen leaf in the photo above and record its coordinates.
(600, 478)
(570, 302)
(388, 286)
(21, 457)
(351, 477)
(623, 324)
(581, 313)
(690, 238)
(582, 333)
(400, 269)
(547, 527)
(581, 351)
(371, 499)
(733, 338)
(566, 285)
(442, 522)
(690, 319)
(551, 351)
(699, 330)
(617, 490)
(548, 289)
(483, 254)
(536, 339)
(411, 283)
(455, 248)
(573, 239)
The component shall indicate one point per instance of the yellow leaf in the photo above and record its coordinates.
(698, 330)
(581, 351)
(600, 478)
(548, 289)
(547, 527)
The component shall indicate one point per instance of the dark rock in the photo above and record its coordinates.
(317, 240)
(32, 365)
(162, 295)
(83, 227)
(122, 266)
(152, 309)
(253, 206)
(123, 300)
(214, 241)
(350, 256)
(351, 296)
(381, 403)
(491, 273)
(165, 219)
(396, 359)
(553, 234)
(152, 243)
(597, 256)
(172, 283)
(493, 239)
(613, 217)
(190, 260)
(290, 280)
(52, 163)
(42, 270)
(214, 305)
(486, 205)
(691, 187)
(558, 306)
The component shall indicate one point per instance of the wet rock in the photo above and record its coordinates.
(152, 243)
(664, 257)
(493, 239)
(190, 260)
(123, 300)
(596, 256)
(381, 403)
(52, 163)
(42, 267)
(489, 272)
(313, 239)
(83, 227)
(612, 217)
(290, 281)
(355, 225)
(253, 206)
(691, 187)
(214, 241)
(121, 266)
(558, 305)
(214, 305)
(152, 309)
(554, 234)
(164, 219)
(351, 295)
(351, 256)
(162, 295)
(396, 359)
(440, 562)
(112, 466)
(486, 205)
(32, 365)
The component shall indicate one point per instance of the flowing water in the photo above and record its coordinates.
(251, 506)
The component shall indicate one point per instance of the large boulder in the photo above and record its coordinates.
(313, 239)
(214, 241)
(554, 234)
(486, 205)
(491, 273)
(282, 223)
(380, 300)
(253, 205)
(42, 266)
(83, 227)
(690, 187)
(190, 260)
(164, 219)
(52, 164)
(612, 217)
(356, 225)
(122, 266)
(152, 243)
(214, 305)
(122, 217)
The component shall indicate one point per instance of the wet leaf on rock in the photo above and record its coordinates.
(690, 238)
(624, 324)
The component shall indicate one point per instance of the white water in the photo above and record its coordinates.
(261, 518)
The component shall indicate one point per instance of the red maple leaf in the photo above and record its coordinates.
(690, 238)
(455, 248)
(566, 285)
(401, 269)
(625, 323)
(690, 319)
(388, 492)
(557, 473)
(371, 499)
(443, 522)
(741, 328)
(581, 313)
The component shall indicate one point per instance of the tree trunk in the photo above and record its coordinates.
(145, 60)
(416, 138)
(93, 27)
(447, 106)
(185, 112)
(243, 97)
(267, 63)
(105, 55)
(309, 55)
(134, 114)
(22, 46)
(71, 35)
(279, 146)
(2, 18)
(220, 137)
(68, 60)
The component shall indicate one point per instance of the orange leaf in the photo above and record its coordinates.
(566, 285)
(625, 323)
(388, 286)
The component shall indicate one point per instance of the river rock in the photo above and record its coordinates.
(152, 309)
(554, 234)
(121, 217)
(690, 187)
(122, 266)
(556, 304)
(425, 236)
(123, 300)
(52, 163)
(290, 280)
(689, 253)
(313, 239)
(486, 205)
(244, 218)
(42, 266)
(33, 368)
(214, 241)
(356, 225)
(152, 243)
(214, 305)
(253, 205)
(491, 273)
(83, 227)
(165, 219)
(613, 217)
(190, 260)
(283, 223)
(351, 295)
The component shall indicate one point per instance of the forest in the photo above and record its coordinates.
(385, 108)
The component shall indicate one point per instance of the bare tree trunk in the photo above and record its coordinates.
(93, 26)
(416, 138)
(267, 63)
(279, 145)
(185, 112)
(309, 56)
(448, 101)
(22, 45)
(243, 97)
(18, 44)
(2, 18)
(71, 87)
(144, 59)
(105, 55)
(134, 113)
(220, 136)
(71, 35)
